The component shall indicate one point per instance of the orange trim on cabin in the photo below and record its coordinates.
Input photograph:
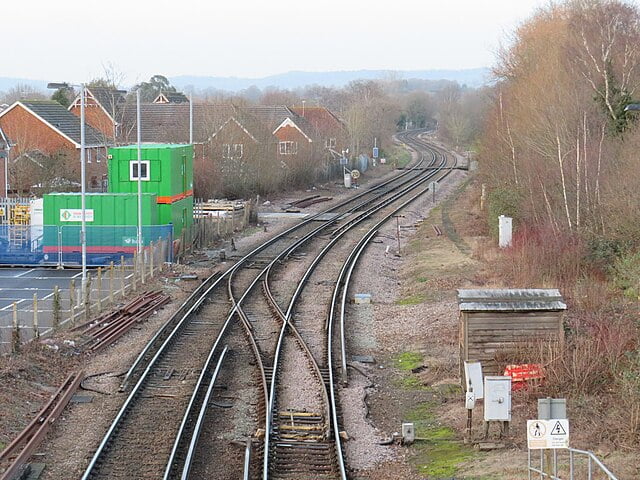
(174, 198)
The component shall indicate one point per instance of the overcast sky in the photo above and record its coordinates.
(72, 39)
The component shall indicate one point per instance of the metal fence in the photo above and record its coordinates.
(567, 464)
(66, 305)
(52, 245)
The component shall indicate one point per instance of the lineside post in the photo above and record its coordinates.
(56, 308)
(15, 334)
(87, 299)
(99, 289)
(151, 258)
(36, 330)
(111, 283)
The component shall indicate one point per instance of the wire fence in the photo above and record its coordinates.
(53, 245)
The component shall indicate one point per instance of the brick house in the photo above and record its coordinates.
(103, 110)
(330, 129)
(45, 147)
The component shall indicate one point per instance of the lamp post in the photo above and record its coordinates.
(139, 128)
(83, 220)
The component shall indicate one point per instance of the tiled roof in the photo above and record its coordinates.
(110, 99)
(169, 122)
(64, 121)
(171, 97)
(271, 116)
(321, 118)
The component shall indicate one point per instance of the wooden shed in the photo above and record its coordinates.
(495, 319)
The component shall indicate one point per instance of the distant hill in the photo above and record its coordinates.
(474, 77)
(7, 83)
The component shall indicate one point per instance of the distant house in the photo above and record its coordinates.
(103, 110)
(43, 130)
(171, 97)
(296, 139)
(331, 130)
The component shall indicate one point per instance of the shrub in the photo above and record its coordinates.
(502, 201)
(542, 257)
(626, 274)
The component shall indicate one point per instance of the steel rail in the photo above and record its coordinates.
(195, 300)
(236, 304)
(188, 309)
(198, 425)
(311, 268)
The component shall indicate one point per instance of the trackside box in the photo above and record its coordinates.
(167, 170)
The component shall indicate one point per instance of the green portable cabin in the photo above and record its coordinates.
(111, 220)
(105, 209)
(167, 170)
(179, 214)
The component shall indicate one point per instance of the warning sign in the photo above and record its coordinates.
(543, 434)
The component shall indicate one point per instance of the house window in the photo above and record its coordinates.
(288, 148)
(330, 143)
(89, 155)
(232, 151)
(133, 170)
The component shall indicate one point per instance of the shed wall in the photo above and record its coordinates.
(483, 334)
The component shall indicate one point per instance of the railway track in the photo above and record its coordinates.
(155, 434)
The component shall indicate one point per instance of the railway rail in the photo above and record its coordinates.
(170, 384)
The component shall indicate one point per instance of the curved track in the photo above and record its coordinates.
(155, 433)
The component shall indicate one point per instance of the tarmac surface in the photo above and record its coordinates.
(19, 284)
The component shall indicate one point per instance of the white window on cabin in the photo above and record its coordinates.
(288, 148)
(144, 168)
(237, 150)
(226, 150)
(330, 143)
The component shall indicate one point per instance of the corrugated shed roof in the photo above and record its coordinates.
(510, 300)
(64, 121)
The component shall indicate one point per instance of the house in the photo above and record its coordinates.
(47, 136)
(296, 138)
(331, 130)
(171, 97)
(244, 151)
(103, 109)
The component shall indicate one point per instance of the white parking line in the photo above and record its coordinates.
(11, 306)
(24, 273)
